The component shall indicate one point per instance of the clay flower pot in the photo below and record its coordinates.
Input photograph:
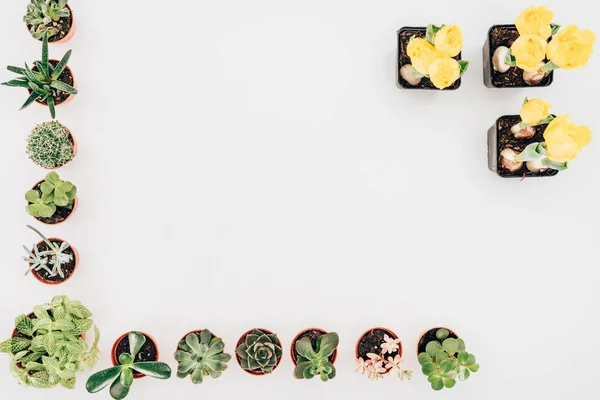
(69, 25)
(429, 336)
(148, 352)
(68, 269)
(370, 342)
(312, 334)
(65, 213)
(66, 77)
(243, 339)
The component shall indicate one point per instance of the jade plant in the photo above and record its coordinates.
(44, 82)
(47, 348)
(445, 360)
(55, 257)
(120, 377)
(50, 145)
(315, 361)
(53, 192)
(42, 16)
(200, 357)
(260, 351)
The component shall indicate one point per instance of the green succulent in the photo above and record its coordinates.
(260, 351)
(44, 83)
(50, 145)
(48, 349)
(445, 359)
(121, 375)
(53, 192)
(55, 257)
(201, 357)
(42, 13)
(313, 362)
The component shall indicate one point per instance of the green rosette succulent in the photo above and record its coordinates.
(52, 193)
(260, 351)
(200, 357)
(315, 362)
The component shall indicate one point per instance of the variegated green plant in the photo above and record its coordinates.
(48, 349)
(53, 192)
(43, 14)
(201, 355)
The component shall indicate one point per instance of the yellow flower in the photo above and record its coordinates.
(529, 51)
(535, 111)
(565, 139)
(421, 53)
(449, 40)
(571, 48)
(535, 21)
(444, 71)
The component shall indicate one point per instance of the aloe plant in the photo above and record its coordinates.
(42, 14)
(200, 357)
(315, 362)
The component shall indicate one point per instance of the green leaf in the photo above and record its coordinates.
(549, 67)
(554, 165)
(417, 73)
(17, 83)
(449, 382)
(300, 368)
(530, 153)
(118, 391)
(510, 59)
(473, 367)
(153, 369)
(464, 66)
(304, 348)
(448, 365)
(102, 379)
(433, 348)
(439, 357)
(60, 67)
(126, 378)
(437, 385)
(63, 87)
(464, 375)
(29, 100)
(441, 334)
(430, 33)
(197, 376)
(126, 359)
(434, 377)
(555, 28)
(23, 324)
(16, 70)
(428, 368)
(50, 102)
(44, 63)
(424, 358)
(463, 357)
(136, 341)
(450, 345)
(330, 339)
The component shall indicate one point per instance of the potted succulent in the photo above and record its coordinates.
(314, 352)
(443, 358)
(49, 82)
(526, 53)
(51, 261)
(430, 58)
(258, 352)
(51, 201)
(534, 143)
(51, 145)
(378, 352)
(52, 16)
(134, 355)
(200, 354)
(48, 347)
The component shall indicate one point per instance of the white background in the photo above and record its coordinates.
(252, 164)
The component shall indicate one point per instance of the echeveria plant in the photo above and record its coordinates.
(52, 193)
(200, 357)
(260, 351)
(315, 362)
(41, 14)
(55, 257)
(380, 364)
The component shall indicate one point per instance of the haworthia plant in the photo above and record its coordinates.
(200, 357)
(260, 351)
(315, 362)
(42, 13)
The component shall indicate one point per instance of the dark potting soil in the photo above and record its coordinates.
(67, 269)
(66, 77)
(148, 352)
(430, 337)
(404, 36)
(59, 216)
(371, 342)
(63, 26)
(505, 35)
(506, 139)
(313, 335)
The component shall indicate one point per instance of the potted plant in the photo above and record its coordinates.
(52, 16)
(51, 145)
(51, 261)
(134, 355)
(48, 346)
(49, 82)
(51, 201)
(443, 358)
(526, 53)
(258, 352)
(378, 352)
(314, 352)
(430, 58)
(534, 143)
(200, 354)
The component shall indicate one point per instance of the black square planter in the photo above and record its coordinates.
(500, 137)
(505, 35)
(404, 36)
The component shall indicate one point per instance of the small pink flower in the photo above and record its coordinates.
(390, 345)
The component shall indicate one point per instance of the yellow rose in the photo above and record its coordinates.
(449, 40)
(529, 51)
(571, 48)
(444, 71)
(421, 53)
(535, 21)
(565, 139)
(535, 111)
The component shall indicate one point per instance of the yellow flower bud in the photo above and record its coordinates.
(422, 54)
(444, 71)
(529, 50)
(535, 21)
(449, 40)
(535, 111)
(565, 139)
(571, 48)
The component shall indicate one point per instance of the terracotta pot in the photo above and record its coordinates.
(75, 203)
(68, 99)
(113, 352)
(390, 334)
(52, 283)
(75, 148)
(69, 34)
(241, 340)
(428, 330)
(332, 358)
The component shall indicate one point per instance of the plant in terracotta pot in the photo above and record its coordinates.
(379, 352)
(52, 16)
(534, 143)
(314, 352)
(133, 358)
(51, 145)
(443, 358)
(201, 354)
(430, 58)
(259, 352)
(526, 53)
(48, 347)
(49, 82)
(51, 261)
(52, 200)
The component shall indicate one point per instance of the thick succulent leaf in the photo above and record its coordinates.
(16, 70)
(136, 341)
(63, 87)
(442, 334)
(44, 63)
(205, 336)
(474, 367)
(428, 368)
(433, 348)
(181, 355)
(241, 351)
(330, 339)
(448, 365)
(450, 345)
(32, 97)
(185, 367)
(461, 345)
(197, 376)
(304, 348)
(437, 385)
(60, 67)
(251, 339)
(126, 378)
(449, 383)
(17, 83)
(215, 348)
(434, 377)
(118, 391)
(50, 102)
(222, 357)
(424, 358)
(153, 369)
